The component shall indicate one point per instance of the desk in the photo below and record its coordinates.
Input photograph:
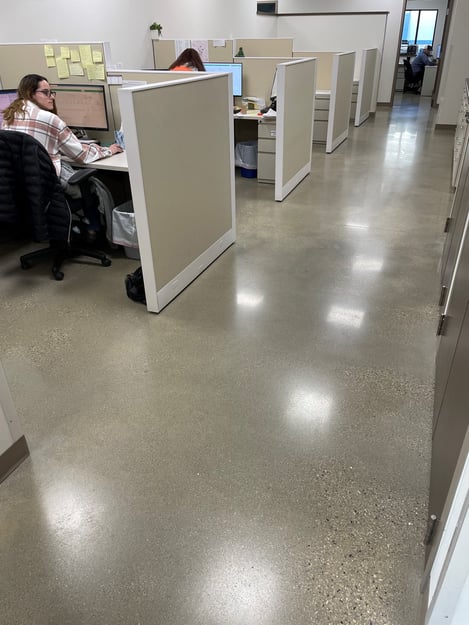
(117, 162)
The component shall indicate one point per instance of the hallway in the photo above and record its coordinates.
(258, 453)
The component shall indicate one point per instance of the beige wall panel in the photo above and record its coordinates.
(324, 67)
(265, 47)
(187, 187)
(341, 96)
(258, 76)
(164, 52)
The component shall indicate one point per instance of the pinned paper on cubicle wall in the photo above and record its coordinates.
(48, 51)
(201, 45)
(75, 56)
(50, 61)
(65, 52)
(62, 68)
(219, 43)
(86, 56)
(180, 45)
(76, 69)
(97, 56)
(95, 72)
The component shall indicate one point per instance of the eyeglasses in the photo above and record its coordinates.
(47, 92)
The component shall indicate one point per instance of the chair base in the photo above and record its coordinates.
(60, 254)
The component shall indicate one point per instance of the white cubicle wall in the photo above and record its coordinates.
(341, 100)
(296, 86)
(13, 446)
(181, 170)
(367, 86)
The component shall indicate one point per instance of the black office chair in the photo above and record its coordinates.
(411, 83)
(33, 201)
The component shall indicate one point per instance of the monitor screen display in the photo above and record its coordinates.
(82, 106)
(6, 98)
(236, 70)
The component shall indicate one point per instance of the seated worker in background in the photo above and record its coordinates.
(188, 61)
(422, 59)
(34, 113)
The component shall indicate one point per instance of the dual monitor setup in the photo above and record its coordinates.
(81, 107)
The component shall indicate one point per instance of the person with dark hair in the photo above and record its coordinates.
(34, 112)
(188, 61)
(422, 59)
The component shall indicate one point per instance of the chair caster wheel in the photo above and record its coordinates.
(106, 262)
(58, 275)
(26, 264)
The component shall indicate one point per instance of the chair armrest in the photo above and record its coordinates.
(80, 175)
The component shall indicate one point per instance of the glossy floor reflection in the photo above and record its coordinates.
(258, 453)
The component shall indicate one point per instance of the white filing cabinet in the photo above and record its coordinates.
(266, 136)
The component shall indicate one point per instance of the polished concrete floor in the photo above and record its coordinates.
(258, 453)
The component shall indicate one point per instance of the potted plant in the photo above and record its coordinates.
(155, 30)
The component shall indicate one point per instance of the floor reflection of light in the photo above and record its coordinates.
(240, 589)
(307, 405)
(345, 316)
(250, 299)
(366, 263)
(357, 226)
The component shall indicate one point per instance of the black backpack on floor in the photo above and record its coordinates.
(135, 287)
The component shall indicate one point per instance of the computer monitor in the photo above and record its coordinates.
(82, 106)
(235, 69)
(6, 98)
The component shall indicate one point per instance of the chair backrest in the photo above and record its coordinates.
(30, 191)
(409, 74)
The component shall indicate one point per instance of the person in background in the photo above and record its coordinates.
(423, 58)
(188, 61)
(34, 113)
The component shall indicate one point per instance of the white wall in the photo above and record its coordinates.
(455, 68)
(10, 430)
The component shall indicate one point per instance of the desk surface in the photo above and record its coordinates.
(117, 162)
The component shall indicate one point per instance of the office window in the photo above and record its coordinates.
(419, 27)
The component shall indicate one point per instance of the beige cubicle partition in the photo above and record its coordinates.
(165, 51)
(324, 67)
(341, 98)
(275, 46)
(258, 75)
(296, 86)
(131, 77)
(181, 170)
(77, 62)
(366, 97)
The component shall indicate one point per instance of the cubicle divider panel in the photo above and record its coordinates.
(341, 98)
(125, 78)
(366, 85)
(258, 75)
(275, 46)
(295, 112)
(181, 171)
(165, 51)
(324, 67)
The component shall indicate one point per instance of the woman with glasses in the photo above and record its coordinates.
(34, 113)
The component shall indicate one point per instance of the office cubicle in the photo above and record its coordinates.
(182, 228)
(258, 75)
(60, 62)
(333, 96)
(165, 51)
(367, 86)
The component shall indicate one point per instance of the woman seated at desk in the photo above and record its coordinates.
(34, 113)
(188, 61)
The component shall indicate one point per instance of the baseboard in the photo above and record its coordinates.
(13, 457)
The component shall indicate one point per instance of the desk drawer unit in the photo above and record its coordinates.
(266, 151)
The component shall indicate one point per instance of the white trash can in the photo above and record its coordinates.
(124, 231)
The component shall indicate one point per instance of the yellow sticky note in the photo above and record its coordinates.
(97, 56)
(85, 55)
(74, 56)
(50, 61)
(99, 71)
(65, 52)
(62, 68)
(76, 69)
(48, 50)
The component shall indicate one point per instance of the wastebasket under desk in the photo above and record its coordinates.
(266, 136)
